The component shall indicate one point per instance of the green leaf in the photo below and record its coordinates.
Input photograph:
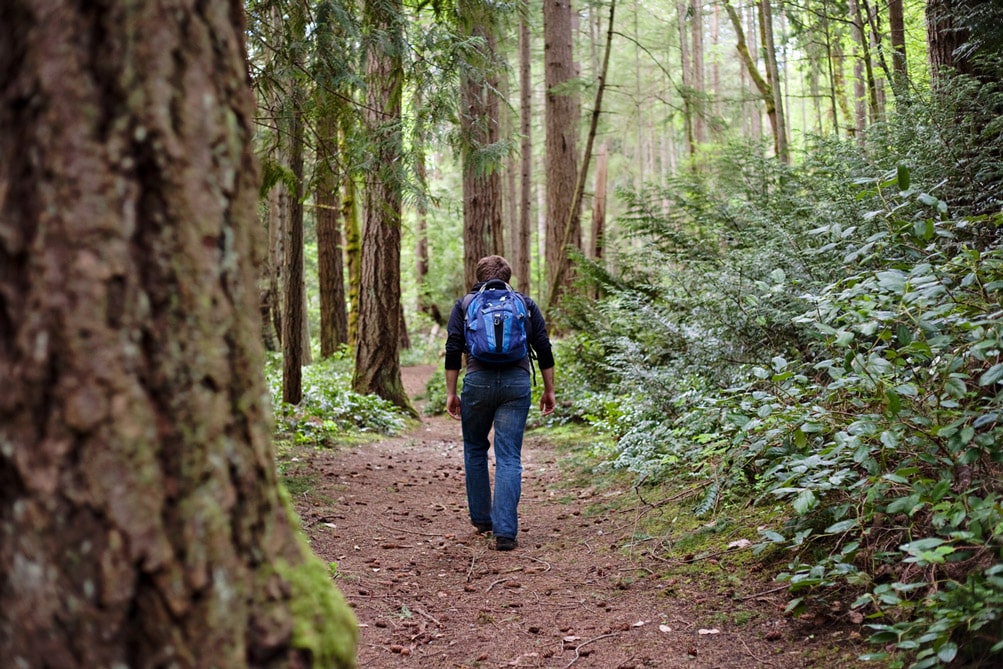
(841, 526)
(894, 402)
(805, 502)
(948, 652)
(992, 375)
(903, 177)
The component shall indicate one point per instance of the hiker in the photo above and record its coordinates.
(496, 392)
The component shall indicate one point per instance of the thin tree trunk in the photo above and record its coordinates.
(766, 90)
(524, 236)
(896, 25)
(867, 92)
(278, 214)
(773, 77)
(140, 510)
(293, 311)
(686, 69)
(699, 92)
(598, 245)
(330, 263)
(353, 253)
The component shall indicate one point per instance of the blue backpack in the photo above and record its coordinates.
(495, 324)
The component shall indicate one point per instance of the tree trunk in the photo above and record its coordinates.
(598, 245)
(562, 113)
(330, 263)
(867, 82)
(773, 78)
(141, 519)
(896, 25)
(482, 185)
(698, 92)
(686, 70)
(377, 359)
(278, 214)
(353, 253)
(293, 308)
(765, 88)
(572, 219)
(524, 237)
(945, 35)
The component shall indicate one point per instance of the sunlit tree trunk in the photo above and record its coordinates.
(766, 89)
(141, 518)
(779, 119)
(377, 348)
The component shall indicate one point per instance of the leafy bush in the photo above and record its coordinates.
(840, 352)
(329, 409)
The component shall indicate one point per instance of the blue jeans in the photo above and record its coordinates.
(498, 398)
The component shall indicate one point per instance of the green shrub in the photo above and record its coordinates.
(328, 408)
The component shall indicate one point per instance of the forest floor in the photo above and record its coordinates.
(581, 590)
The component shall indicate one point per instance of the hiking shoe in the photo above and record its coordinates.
(482, 528)
(505, 543)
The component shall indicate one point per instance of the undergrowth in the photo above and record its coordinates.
(826, 338)
(329, 411)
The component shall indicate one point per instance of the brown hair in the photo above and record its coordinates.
(494, 267)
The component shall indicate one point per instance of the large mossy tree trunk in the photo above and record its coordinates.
(141, 522)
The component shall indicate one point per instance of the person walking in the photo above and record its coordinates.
(498, 395)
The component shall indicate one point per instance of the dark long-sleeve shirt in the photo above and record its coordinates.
(536, 333)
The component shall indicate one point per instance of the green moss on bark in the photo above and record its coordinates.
(323, 622)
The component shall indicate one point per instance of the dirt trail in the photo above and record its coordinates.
(429, 592)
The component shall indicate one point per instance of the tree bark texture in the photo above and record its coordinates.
(141, 523)
(330, 263)
(482, 185)
(562, 111)
(377, 360)
(896, 29)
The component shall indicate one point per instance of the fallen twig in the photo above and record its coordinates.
(401, 529)
(499, 581)
(764, 593)
(753, 655)
(530, 557)
(585, 643)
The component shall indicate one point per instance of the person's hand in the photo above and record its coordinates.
(453, 406)
(547, 402)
